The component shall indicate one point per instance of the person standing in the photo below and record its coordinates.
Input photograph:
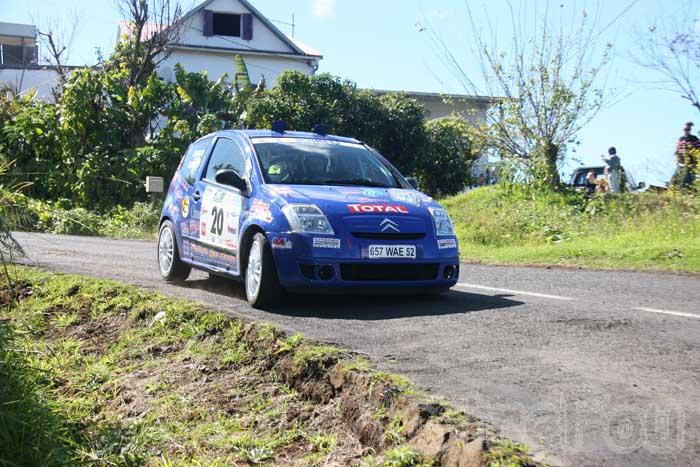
(686, 161)
(612, 163)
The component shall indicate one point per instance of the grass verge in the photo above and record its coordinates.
(513, 225)
(95, 372)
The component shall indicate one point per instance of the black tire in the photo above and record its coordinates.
(175, 270)
(268, 292)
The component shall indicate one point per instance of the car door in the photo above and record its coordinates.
(184, 200)
(218, 208)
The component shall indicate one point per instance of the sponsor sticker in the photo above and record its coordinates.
(194, 227)
(444, 243)
(318, 141)
(378, 208)
(274, 169)
(200, 250)
(282, 190)
(281, 243)
(373, 193)
(219, 196)
(219, 218)
(405, 196)
(224, 257)
(261, 210)
(323, 242)
(185, 207)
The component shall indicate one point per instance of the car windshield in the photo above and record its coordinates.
(300, 161)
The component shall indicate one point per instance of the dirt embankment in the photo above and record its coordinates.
(139, 378)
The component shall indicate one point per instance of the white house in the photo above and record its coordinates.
(215, 31)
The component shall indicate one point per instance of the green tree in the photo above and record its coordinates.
(444, 171)
(398, 131)
(31, 138)
(393, 123)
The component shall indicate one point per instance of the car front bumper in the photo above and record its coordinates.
(301, 265)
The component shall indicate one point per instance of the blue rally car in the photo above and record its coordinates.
(292, 211)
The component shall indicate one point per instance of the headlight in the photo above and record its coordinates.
(442, 221)
(307, 218)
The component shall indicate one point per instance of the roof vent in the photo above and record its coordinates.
(278, 126)
(320, 129)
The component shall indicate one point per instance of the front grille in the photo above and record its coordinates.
(388, 272)
(388, 235)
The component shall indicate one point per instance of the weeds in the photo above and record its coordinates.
(507, 453)
(139, 221)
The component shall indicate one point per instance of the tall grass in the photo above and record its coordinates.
(31, 431)
(515, 224)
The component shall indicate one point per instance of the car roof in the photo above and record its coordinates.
(589, 167)
(287, 134)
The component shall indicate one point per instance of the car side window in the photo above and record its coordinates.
(226, 155)
(193, 160)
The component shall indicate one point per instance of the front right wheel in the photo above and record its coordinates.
(262, 286)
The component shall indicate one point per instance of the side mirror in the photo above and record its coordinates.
(413, 182)
(231, 178)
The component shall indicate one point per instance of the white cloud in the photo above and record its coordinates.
(323, 9)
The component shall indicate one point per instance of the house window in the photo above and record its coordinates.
(227, 25)
(16, 54)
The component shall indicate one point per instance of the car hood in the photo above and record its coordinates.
(362, 210)
(351, 198)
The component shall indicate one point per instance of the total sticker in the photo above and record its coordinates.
(377, 208)
(322, 242)
(445, 243)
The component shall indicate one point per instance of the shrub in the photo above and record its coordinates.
(138, 222)
(444, 169)
(58, 217)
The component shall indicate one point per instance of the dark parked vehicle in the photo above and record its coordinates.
(578, 178)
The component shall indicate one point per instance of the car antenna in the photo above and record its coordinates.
(278, 126)
(320, 129)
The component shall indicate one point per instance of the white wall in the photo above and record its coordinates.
(25, 80)
(218, 63)
(18, 30)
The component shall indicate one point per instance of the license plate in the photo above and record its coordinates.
(392, 251)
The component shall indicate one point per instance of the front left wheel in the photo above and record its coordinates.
(262, 286)
(171, 267)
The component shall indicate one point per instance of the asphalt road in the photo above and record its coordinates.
(587, 367)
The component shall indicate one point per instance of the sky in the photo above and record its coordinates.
(386, 44)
